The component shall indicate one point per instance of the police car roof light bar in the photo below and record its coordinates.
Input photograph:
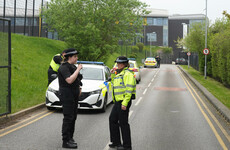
(131, 58)
(90, 62)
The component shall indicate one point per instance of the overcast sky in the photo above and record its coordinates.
(215, 7)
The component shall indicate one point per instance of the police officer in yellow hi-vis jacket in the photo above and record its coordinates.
(54, 66)
(124, 90)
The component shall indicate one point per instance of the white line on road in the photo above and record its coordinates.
(149, 84)
(144, 91)
(139, 100)
(152, 80)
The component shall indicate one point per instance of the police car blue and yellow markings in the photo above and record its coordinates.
(105, 86)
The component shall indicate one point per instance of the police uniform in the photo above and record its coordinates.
(124, 86)
(53, 68)
(69, 95)
(158, 59)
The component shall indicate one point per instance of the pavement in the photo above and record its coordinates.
(10, 117)
(221, 108)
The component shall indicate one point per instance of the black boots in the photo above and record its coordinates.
(70, 144)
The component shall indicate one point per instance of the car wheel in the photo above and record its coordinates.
(104, 104)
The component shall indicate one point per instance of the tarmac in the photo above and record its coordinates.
(221, 108)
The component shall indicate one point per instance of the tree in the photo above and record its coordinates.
(94, 27)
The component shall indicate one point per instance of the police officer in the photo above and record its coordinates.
(69, 86)
(124, 90)
(158, 59)
(54, 65)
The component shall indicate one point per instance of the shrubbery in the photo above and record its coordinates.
(218, 61)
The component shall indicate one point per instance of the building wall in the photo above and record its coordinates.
(175, 32)
(159, 34)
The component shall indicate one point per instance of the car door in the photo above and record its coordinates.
(107, 76)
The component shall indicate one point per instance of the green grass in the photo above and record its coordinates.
(31, 57)
(221, 92)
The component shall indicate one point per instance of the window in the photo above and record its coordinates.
(152, 37)
(92, 73)
(159, 21)
(107, 73)
(150, 21)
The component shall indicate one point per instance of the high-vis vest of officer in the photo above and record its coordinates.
(124, 86)
(53, 65)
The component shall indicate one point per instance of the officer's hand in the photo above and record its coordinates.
(112, 70)
(79, 66)
(123, 107)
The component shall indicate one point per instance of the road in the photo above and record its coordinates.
(168, 114)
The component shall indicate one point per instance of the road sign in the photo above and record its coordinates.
(188, 53)
(206, 51)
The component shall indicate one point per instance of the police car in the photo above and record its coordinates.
(96, 89)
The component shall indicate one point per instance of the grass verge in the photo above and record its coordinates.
(221, 92)
(31, 57)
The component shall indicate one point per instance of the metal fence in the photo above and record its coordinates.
(194, 61)
(166, 58)
(25, 17)
(5, 66)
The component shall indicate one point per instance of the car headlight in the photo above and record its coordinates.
(51, 90)
(96, 92)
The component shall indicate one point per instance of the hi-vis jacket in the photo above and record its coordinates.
(124, 85)
(54, 65)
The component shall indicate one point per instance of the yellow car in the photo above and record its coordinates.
(150, 62)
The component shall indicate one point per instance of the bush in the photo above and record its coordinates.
(140, 46)
(135, 48)
(133, 55)
(220, 48)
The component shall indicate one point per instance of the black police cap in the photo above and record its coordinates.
(70, 51)
(122, 59)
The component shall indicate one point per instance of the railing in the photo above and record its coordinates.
(5, 66)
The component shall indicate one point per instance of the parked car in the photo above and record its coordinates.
(150, 62)
(134, 67)
(96, 89)
(181, 61)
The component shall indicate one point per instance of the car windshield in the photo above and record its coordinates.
(131, 65)
(150, 59)
(92, 73)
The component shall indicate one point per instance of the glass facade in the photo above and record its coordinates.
(157, 21)
(153, 21)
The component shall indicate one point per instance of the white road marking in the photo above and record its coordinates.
(149, 84)
(139, 100)
(144, 91)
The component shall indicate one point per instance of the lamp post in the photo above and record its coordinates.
(187, 31)
(150, 43)
(205, 67)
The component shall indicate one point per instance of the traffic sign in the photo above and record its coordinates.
(206, 51)
(188, 53)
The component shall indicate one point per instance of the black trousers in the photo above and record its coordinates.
(69, 99)
(118, 120)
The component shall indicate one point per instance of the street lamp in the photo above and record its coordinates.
(184, 35)
(205, 67)
(150, 43)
